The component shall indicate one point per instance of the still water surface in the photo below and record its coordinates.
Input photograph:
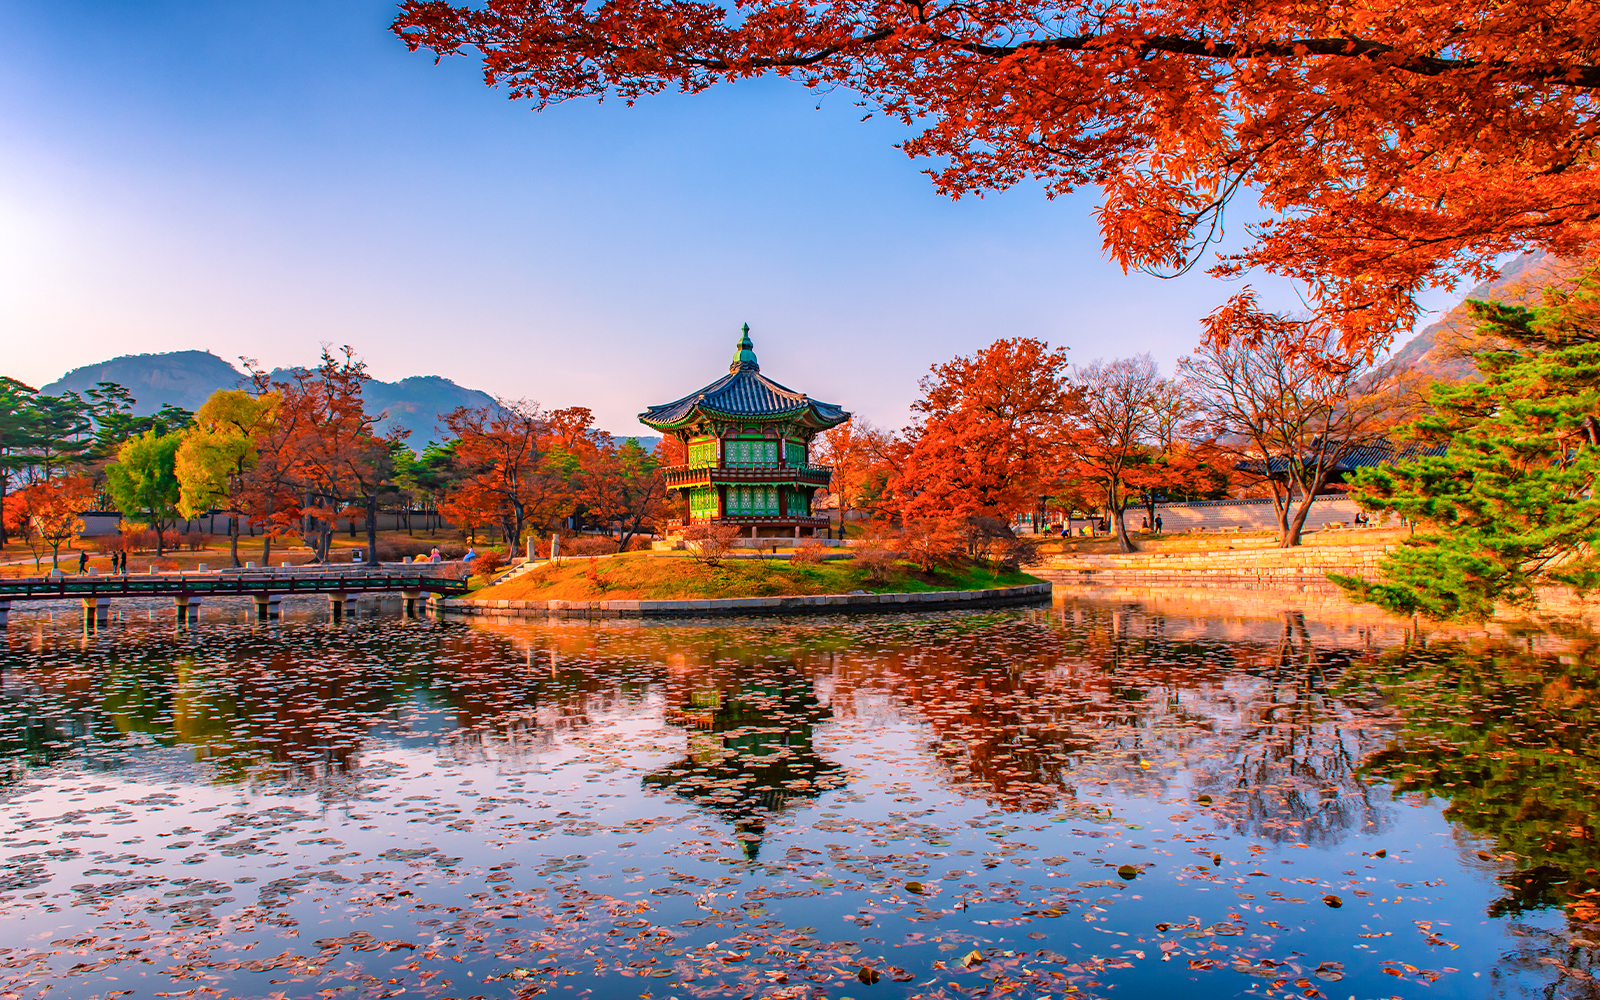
(1095, 799)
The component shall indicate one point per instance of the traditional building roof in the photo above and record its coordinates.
(744, 394)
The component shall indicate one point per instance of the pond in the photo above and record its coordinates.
(1104, 799)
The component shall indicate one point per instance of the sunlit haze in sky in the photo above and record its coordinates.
(258, 179)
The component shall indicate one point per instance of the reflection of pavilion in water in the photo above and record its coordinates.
(750, 751)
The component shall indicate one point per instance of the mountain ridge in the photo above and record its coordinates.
(188, 378)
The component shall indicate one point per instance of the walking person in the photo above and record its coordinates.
(1158, 524)
(83, 562)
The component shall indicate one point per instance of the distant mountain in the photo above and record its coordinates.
(182, 378)
(187, 378)
(1438, 349)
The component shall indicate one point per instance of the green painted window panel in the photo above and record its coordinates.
(795, 453)
(747, 452)
(702, 502)
(703, 452)
(752, 501)
(798, 503)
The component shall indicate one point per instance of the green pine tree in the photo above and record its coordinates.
(1510, 506)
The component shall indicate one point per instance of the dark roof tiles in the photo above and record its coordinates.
(745, 392)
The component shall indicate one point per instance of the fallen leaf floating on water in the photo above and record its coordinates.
(1333, 901)
(868, 976)
(1128, 872)
(971, 958)
(916, 887)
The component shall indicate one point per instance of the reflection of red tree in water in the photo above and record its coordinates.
(1025, 713)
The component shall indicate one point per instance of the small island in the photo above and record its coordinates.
(647, 576)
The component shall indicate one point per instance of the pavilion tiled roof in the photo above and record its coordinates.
(744, 393)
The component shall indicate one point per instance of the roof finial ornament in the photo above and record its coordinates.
(744, 353)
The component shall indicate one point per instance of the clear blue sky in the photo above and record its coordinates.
(258, 178)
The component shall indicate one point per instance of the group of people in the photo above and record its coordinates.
(119, 563)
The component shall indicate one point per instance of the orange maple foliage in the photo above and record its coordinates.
(986, 429)
(48, 513)
(863, 458)
(514, 466)
(321, 458)
(621, 487)
(1391, 143)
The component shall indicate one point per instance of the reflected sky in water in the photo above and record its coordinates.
(1099, 798)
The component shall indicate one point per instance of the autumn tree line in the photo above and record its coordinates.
(291, 457)
(1017, 427)
(1500, 489)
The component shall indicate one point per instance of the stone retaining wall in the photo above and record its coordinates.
(1298, 568)
(937, 600)
(1244, 515)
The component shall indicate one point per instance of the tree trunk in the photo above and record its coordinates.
(1124, 543)
(233, 540)
(1308, 493)
(372, 530)
(1297, 524)
(1280, 507)
(161, 539)
(266, 550)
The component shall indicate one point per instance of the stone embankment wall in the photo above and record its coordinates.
(1243, 515)
(1302, 568)
(939, 600)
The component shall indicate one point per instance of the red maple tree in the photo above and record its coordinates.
(1391, 144)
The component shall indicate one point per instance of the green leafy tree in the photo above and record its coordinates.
(111, 408)
(144, 480)
(59, 433)
(16, 435)
(218, 451)
(1510, 506)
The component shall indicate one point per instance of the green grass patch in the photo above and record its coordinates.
(650, 577)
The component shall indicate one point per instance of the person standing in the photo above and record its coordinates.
(1158, 524)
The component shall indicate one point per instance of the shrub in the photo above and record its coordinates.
(489, 562)
(931, 544)
(197, 541)
(709, 543)
(588, 545)
(136, 537)
(879, 565)
(105, 544)
(808, 554)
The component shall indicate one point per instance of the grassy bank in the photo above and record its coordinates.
(646, 577)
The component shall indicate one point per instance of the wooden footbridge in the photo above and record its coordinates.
(189, 591)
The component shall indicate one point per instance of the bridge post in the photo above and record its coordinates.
(411, 598)
(336, 603)
(268, 606)
(188, 608)
(96, 610)
(5, 612)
